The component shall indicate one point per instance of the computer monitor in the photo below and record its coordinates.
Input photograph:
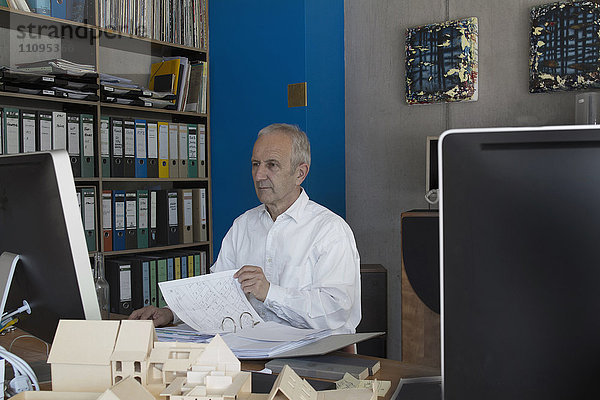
(520, 262)
(41, 222)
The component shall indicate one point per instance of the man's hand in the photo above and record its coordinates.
(160, 316)
(253, 281)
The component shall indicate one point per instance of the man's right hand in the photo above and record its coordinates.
(160, 316)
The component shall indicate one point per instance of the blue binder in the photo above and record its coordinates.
(58, 8)
(141, 153)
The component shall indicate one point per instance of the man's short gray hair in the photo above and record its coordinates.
(300, 143)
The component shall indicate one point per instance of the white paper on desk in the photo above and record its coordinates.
(204, 301)
(273, 332)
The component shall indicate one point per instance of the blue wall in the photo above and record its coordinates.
(257, 48)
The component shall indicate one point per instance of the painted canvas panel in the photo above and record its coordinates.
(441, 62)
(565, 48)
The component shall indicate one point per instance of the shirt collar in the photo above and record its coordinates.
(296, 209)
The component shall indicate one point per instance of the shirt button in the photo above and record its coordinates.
(269, 259)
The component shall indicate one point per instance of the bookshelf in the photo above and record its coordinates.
(94, 42)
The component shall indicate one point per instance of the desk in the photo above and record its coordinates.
(33, 351)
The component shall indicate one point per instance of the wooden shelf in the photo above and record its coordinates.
(155, 249)
(52, 99)
(32, 15)
(150, 109)
(95, 45)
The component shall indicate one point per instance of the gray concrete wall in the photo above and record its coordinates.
(385, 138)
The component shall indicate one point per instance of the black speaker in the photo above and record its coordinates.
(420, 238)
(373, 278)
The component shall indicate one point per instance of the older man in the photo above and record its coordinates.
(296, 260)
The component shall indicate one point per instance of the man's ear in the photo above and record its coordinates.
(301, 173)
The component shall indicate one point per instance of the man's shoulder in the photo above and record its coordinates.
(250, 214)
(322, 215)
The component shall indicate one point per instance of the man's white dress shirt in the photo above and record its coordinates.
(308, 255)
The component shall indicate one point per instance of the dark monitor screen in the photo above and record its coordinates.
(40, 221)
(520, 263)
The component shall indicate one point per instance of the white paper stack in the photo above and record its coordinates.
(268, 339)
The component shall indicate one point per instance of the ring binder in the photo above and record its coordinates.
(241, 319)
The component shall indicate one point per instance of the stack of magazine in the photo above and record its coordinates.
(56, 78)
(119, 90)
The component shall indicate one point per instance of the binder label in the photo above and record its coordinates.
(88, 204)
(131, 214)
(119, 215)
(192, 153)
(130, 142)
(88, 139)
(106, 217)
(125, 282)
(152, 141)
(187, 210)
(104, 138)
(172, 210)
(143, 212)
(118, 141)
(140, 133)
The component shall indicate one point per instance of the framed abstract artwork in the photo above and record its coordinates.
(441, 62)
(564, 47)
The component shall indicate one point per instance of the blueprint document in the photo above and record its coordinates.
(210, 303)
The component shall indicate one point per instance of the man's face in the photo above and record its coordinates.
(276, 185)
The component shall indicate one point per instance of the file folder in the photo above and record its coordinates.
(87, 145)
(141, 168)
(145, 282)
(131, 220)
(12, 141)
(149, 263)
(105, 145)
(44, 140)
(129, 148)
(88, 208)
(163, 150)
(137, 281)
(116, 134)
(183, 151)
(186, 233)
(152, 219)
(142, 225)
(107, 220)
(59, 130)
(118, 275)
(58, 8)
(199, 215)
(173, 237)
(177, 266)
(162, 217)
(170, 268)
(161, 276)
(202, 151)
(73, 141)
(152, 164)
(192, 151)
(173, 150)
(28, 131)
(118, 220)
(190, 265)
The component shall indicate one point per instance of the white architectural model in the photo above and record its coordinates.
(122, 360)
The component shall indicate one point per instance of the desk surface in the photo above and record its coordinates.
(33, 351)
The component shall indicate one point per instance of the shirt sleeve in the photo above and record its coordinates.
(226, 258)
(333, 299)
